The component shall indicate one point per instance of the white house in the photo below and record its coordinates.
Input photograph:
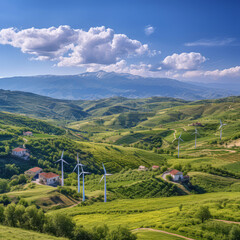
(176, 175)
(142, 168)
(33, 172)
(49, 178)
(21, 152)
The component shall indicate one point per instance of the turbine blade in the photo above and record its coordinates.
(220, 122)
(62, 154)
(108, 174)
(101, 178)
(65, 161)
(104, 169)
(58, 160)
(74, 168)
(181, 139)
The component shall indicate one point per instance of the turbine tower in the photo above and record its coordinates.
(196, 133)
(221, 128)
(83, 173)
(62, 161)
(179, 139)
(78, 173)
(105, 187)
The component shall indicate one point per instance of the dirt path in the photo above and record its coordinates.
(184, 129)
(155, 230)
(219, 220)
(174, 134)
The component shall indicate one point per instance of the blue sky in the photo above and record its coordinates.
(183, 39)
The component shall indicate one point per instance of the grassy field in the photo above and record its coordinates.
(149, 235)
(44, 196)
(9, 233)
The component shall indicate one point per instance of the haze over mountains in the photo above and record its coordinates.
(97, 85)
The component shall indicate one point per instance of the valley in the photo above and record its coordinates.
(125, 134)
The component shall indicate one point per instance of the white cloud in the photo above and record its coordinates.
(211, 42)
(183, 61)
(216, 74)
(74, 47)
(149, 30)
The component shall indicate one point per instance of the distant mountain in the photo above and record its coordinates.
(97, 85)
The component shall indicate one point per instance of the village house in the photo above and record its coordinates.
(21, 153)
(142, 168)
(155, 167)
(33, 172)
(28, 133)
(49, 178)
(176, 175)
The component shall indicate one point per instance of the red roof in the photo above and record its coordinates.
(28, 132)
(19, 149)
(35, 169)
(155, 166)
(48, 175)
(174, 172)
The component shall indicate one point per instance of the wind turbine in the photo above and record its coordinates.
(78, 174)
(179, 139)
(63, 161)
(196, 133)
(83, 173)
(221, 127)
(105, 187)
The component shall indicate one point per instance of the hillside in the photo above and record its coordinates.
(39, 106)
(96, 85)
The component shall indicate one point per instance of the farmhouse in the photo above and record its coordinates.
(142, 168)
(155, 167)
(49, 178)
(21, 153)
(33, 172)
(176, 175)
(28, 133)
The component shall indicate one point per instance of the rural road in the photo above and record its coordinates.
(230, 222)
(155, 230)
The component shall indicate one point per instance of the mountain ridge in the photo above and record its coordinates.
(98, 85)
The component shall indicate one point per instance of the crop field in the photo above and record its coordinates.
(8, 233)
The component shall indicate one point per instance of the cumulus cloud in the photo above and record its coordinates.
(228, 72)
(149, 30)
(183, 61)
(211, 42)
(74, 47)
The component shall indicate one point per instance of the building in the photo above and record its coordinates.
(28, 133)
(21, 153)
(176, 175)
(49, 178)
(142, 168)
(155, 167)
(33, 172)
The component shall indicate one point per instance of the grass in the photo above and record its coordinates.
(149, 235)
(43, 196)
(9, 233)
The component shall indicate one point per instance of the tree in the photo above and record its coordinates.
(203, 213)
(81, 234)
(1, 213)
(121, 233)
(9, 215)
(19, 215)
(169, 178)
(234, 233)
(4, 187)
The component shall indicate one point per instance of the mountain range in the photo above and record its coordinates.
(98, 85)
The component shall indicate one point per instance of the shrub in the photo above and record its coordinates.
(169, 178)
(203, 213)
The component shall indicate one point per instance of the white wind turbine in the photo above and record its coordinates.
(78, 173)
(83, 173)
(179, 139)
(196, 133)
(105, 187)
(221, 128)
(62, 161)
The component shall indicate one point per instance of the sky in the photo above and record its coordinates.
(189, 40)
